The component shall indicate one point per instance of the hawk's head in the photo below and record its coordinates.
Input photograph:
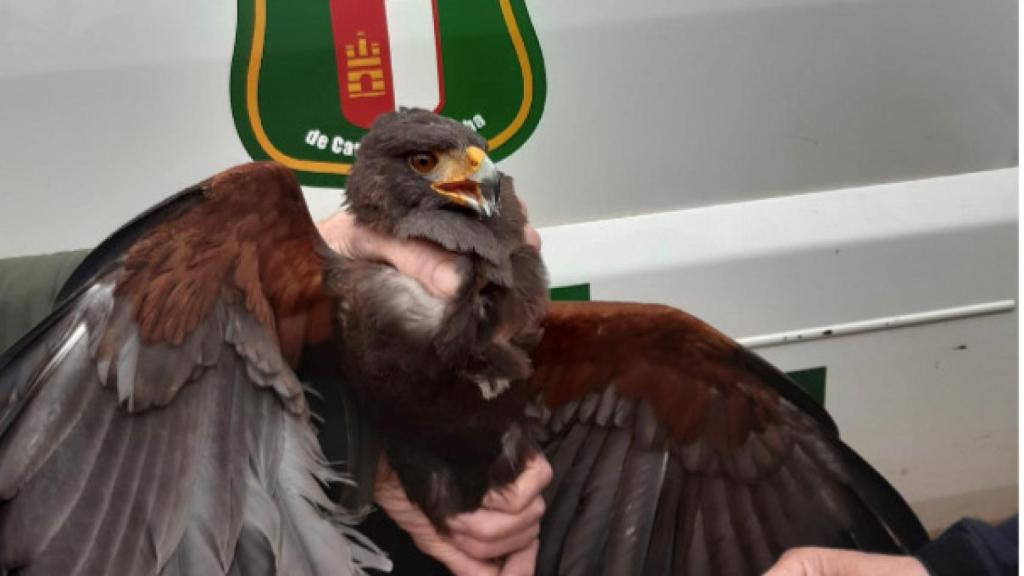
(414, 160)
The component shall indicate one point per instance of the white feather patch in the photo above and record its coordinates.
(421, 311)
(491, 389)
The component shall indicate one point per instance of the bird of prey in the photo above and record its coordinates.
(154, 423)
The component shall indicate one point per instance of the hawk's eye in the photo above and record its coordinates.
(423, 162)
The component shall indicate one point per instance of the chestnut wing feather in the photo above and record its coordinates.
(151, 424)
(676, 451)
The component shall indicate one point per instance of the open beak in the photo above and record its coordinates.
(471, 180)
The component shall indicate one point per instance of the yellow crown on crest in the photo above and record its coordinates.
(364, 63)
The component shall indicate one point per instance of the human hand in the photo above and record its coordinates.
(829, 562)
(499, 539)
(427, 263)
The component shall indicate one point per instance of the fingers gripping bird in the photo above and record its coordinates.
(154, 423)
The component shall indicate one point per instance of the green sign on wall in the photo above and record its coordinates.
(309, 78)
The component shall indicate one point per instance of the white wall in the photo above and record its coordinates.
(110, 105)
(669, 104)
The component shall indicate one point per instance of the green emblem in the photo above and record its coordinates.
(309, 78)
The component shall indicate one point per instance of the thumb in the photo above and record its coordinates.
(523, 562)
(460, 564)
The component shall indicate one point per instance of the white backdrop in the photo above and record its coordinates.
(106, 106)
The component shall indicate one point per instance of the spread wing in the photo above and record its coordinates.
(676, 451)
(151, 424)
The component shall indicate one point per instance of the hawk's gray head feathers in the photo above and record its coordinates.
(413, 160)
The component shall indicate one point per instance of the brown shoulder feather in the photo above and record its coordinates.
(252, 232)
(684, 368)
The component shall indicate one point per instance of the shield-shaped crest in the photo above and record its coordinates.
(309, 78)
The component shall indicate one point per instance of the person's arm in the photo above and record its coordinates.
(973, 547)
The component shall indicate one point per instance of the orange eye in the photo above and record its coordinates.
(423, 162)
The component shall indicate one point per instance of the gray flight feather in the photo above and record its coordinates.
(119, 457)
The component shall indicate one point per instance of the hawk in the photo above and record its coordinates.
(154, 422)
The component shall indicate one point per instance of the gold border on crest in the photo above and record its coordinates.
(343, 168)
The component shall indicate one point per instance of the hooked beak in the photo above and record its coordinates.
(472, 182)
